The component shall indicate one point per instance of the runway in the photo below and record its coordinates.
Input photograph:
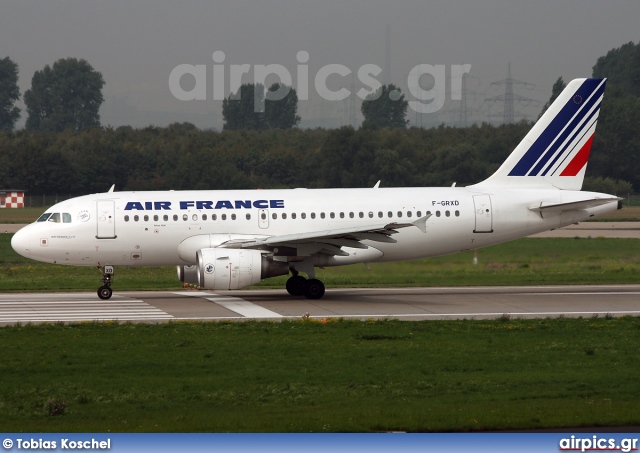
(374, 303)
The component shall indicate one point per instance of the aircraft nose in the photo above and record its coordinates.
(20, 242)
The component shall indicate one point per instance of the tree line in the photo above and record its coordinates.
(181, 157)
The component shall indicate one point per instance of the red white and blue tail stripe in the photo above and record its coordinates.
(556, 150)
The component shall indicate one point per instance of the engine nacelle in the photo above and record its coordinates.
(220, 268)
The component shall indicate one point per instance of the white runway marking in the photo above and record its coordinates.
(74, 307)
(245, 308)
(242, 307)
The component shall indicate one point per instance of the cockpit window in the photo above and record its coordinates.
(56, 217)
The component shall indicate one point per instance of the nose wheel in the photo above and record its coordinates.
(105, 292)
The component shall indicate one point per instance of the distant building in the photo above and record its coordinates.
(12, 198)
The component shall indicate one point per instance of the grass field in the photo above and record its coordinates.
(23, 215)
(530, 261)
(306, 376)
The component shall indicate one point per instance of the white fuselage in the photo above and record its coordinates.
(148, 228)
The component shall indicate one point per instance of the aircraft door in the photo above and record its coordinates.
(106, 216)
(484, 215)
(263, 218)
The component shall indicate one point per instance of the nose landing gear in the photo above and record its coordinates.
(105, 291)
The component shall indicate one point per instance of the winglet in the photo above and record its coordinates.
(422, 223)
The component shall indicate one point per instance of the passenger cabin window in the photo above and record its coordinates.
(175, 217)
(146, 218)
(155, 218)
(136, 218)
(204, 217)
(165, 217)
(126, 218)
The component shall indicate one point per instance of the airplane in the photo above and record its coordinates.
(226, 240)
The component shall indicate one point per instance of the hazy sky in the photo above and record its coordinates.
(136, 44)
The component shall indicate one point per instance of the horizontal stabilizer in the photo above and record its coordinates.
(574, 205)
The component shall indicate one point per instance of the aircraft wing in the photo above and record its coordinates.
(573, 206)
(330, 241)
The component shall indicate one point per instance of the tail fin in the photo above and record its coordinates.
(555, 151)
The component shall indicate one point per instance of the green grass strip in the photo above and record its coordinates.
(529, 261)
(309, 376)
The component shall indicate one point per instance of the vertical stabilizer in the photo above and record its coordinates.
(555, 151)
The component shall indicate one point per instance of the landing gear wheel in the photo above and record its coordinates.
(104, 292)
(314, 289)
(296, 285)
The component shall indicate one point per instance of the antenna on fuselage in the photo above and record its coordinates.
(112, 188)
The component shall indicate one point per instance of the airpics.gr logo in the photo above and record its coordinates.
(229, 79)
(84, 216)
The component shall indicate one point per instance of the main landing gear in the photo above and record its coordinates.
(311, 288)
(105, 291)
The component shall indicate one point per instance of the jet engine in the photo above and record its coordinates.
(220, 268)
(188, 274)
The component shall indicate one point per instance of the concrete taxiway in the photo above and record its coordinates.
(395, 303)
